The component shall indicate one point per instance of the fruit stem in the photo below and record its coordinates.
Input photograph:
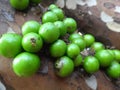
(59, 65)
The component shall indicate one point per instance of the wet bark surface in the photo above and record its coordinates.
(45, 79)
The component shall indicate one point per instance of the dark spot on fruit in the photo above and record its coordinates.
(33, 41)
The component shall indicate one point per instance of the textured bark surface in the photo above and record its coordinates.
(45, 79)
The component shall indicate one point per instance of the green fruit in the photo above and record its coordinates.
(74, 36)
(114, 70)
(52, 6)
(49, 16)
(73, 50)
(117, 54)
(58, 48)
(78, 60)
(32, 42)
(89, 39)
(30, 26)
(71, 25)
(59, 13)
(62, 28)
(91, 64)
(105, 57)
(80, 42)
(19, 4)
(64, 66)
(26, 64)
(97, 46)
(111, 52)
(10, 45)
(49, 32)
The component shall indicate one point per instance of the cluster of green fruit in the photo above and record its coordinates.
(68, 54)
(23, 4)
